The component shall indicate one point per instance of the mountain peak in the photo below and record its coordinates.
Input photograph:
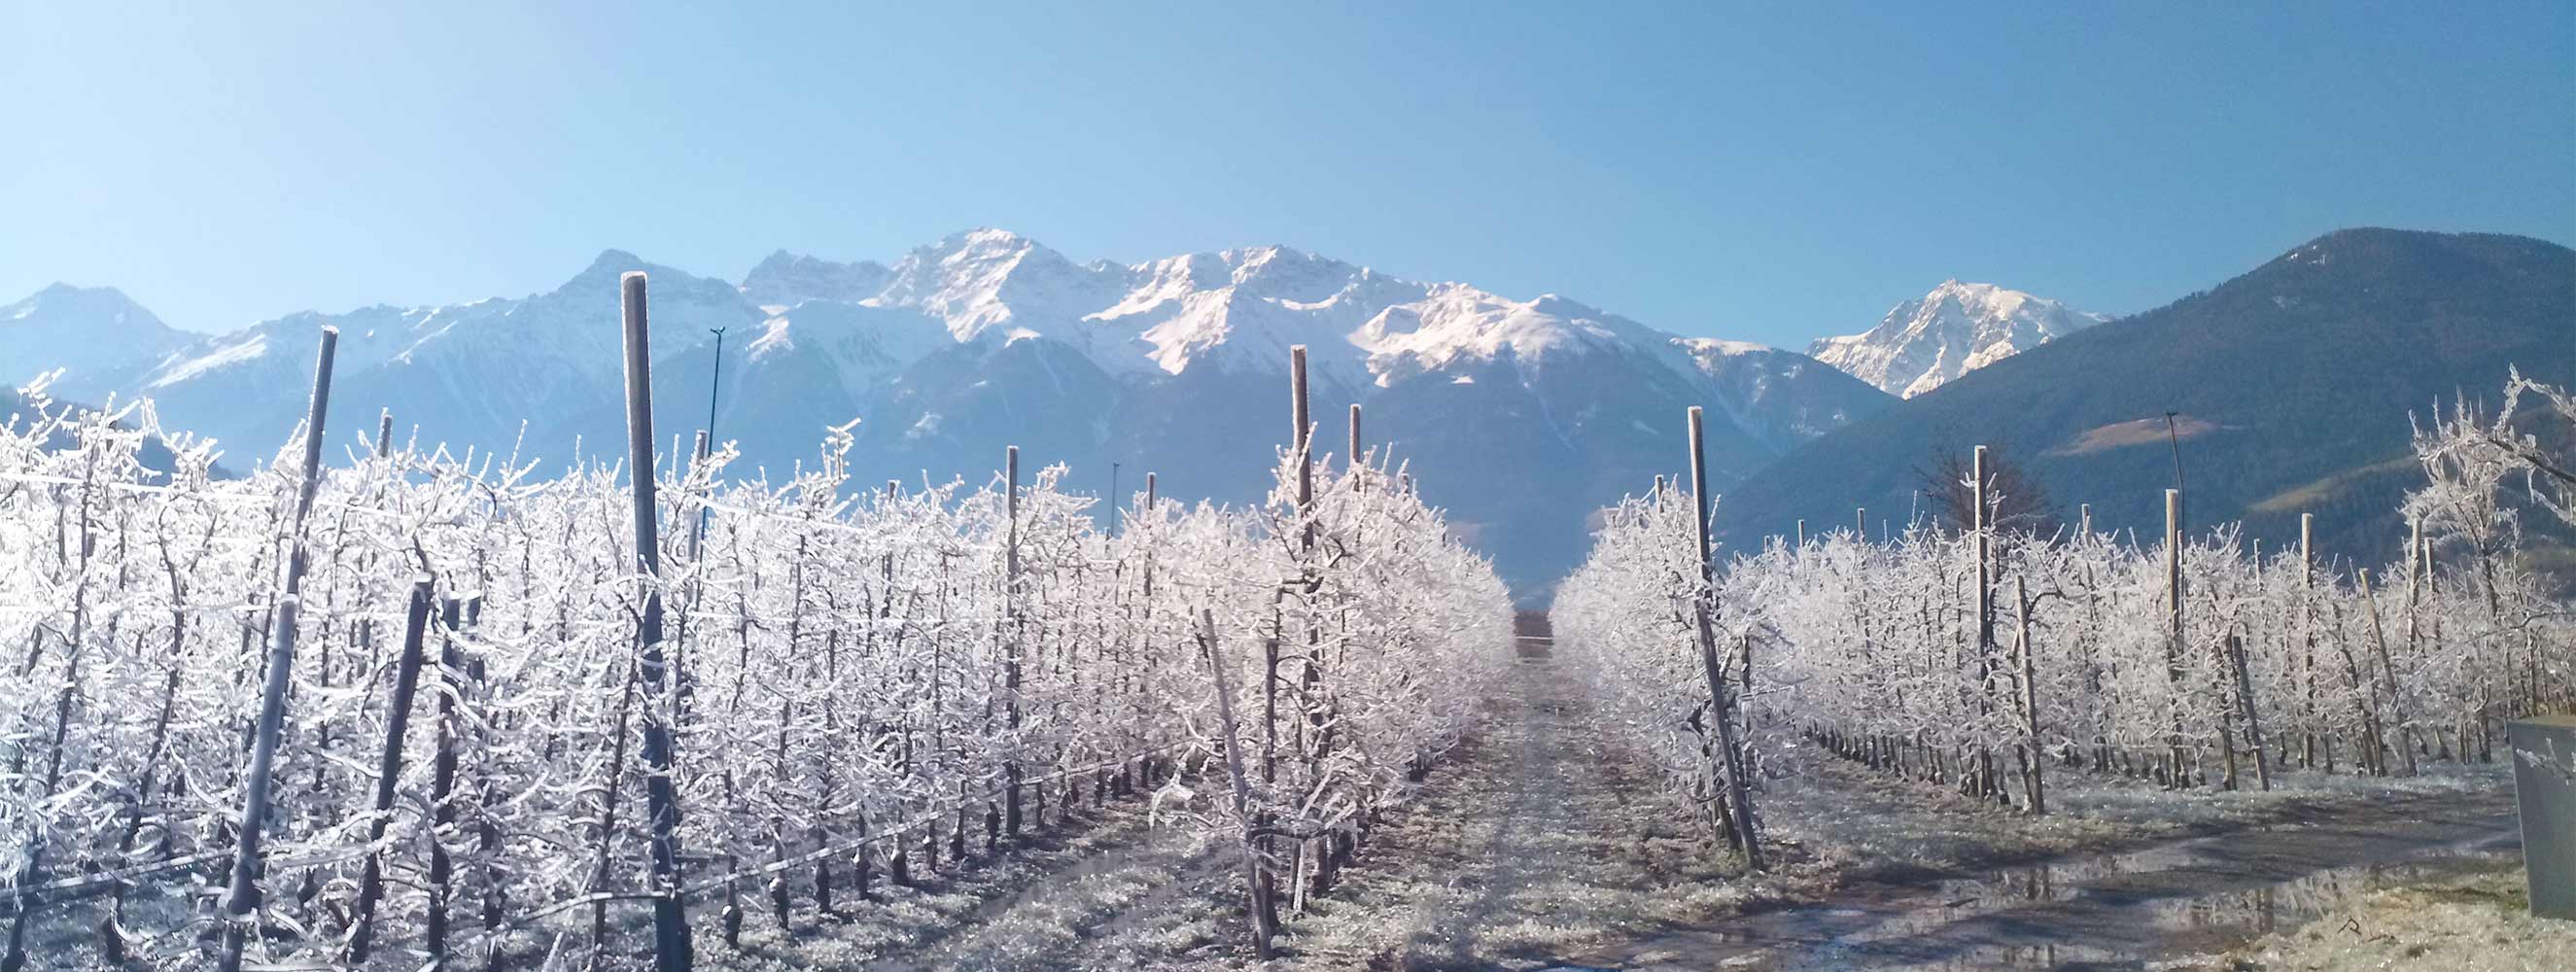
(83, 330)
(1953, 329)
(614, 259)
(105, 304)
(983, 277)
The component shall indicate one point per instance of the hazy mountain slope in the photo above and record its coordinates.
(2293, 377)
(470, 375)
(1955, 329)
(91, 333)
(787, 279)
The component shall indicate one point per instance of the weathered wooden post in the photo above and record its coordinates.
(1355, 461)
(1301, 415)
(2173, 633)
(2308, 645)
(1860, 523)
(1979, 521)
(1304, 432)
(389, 768)
(1982, 520)
(242, 898)
(671, 946)
(442, 781)
(1011, 637)
(1738, 801)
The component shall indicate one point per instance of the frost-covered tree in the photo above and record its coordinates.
(863, 677)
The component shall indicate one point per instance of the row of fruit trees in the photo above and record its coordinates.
(493, 725)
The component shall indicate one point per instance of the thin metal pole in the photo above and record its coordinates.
(2173, 438)
(716, 381)
(706, 437)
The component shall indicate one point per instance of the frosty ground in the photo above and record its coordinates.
(1539, 845)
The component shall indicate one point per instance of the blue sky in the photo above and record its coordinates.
(1767, 173)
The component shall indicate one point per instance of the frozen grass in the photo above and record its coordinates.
(1864, 825)
(2479, 923)
(1043, 905)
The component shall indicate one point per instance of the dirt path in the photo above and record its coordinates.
(1537, 838)
(1542, 843)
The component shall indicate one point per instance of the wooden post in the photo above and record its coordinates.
(1355, 461)
(2173, 632)
(1011, 638)
(1309, 672)
(242, 898)
(671, 946)
(2084, 518)
(389, 768)
(1982, 520)
(2308, 641)
(1304, 448)
(1738, 801)
(1802, 534)
(2029, 697)
(1860, 524)
(442, 782)
(384, 433)
(1985, 554)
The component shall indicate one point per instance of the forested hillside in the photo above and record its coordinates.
(2291, 382)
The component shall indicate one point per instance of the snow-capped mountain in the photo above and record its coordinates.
(1519, 415)
(1955, 329)
(86, 331)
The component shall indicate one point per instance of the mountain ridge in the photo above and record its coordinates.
(985, 338)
